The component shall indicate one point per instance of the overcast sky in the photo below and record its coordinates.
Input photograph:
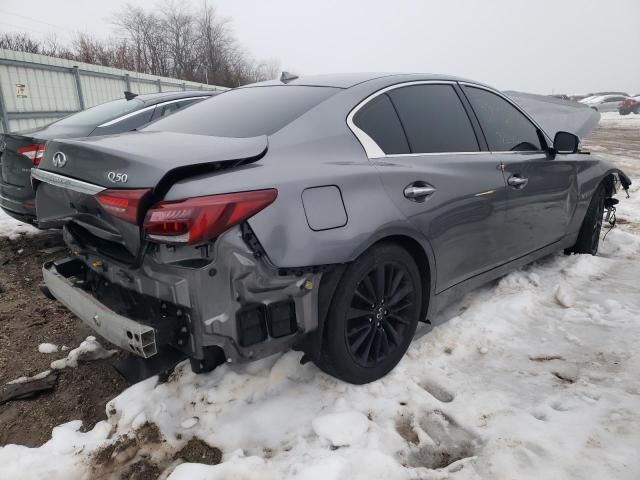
(570, 46)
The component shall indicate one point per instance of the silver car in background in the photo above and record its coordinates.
(606, 103)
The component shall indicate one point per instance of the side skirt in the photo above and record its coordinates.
(448, 297)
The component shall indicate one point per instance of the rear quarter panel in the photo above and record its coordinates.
(315, 150)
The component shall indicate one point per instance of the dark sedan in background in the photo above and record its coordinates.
(21, 151)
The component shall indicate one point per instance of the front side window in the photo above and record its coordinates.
(505, 127)
(379, 120)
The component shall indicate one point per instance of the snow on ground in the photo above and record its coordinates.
(614, 119)
(47, 348)
(89, 349)
(38, 376)
(536, 376)
(12, 228)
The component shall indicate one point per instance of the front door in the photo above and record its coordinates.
(541, 191)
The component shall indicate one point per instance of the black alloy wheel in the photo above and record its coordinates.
(381, 309)
(372, 315)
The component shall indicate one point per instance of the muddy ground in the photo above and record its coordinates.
(27, 319)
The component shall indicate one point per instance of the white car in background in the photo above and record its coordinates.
(589, 98)
(605, 103)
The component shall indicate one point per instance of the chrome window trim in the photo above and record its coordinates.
(373, 150)
(146, 109)
(65, 182)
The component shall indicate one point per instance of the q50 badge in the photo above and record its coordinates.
(117, 177)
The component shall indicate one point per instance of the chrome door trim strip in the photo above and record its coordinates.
(65, 182)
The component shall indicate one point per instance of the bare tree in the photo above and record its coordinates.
(19, 41)
(170, 40)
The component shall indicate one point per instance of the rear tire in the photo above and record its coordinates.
(589, 235)
(212, 357)
(373, 315)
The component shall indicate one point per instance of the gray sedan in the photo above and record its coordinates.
(328, 214)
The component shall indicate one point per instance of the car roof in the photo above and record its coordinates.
(153, 98)
(348, 80)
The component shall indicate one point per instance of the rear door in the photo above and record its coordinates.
(541, 190)
(436, 171)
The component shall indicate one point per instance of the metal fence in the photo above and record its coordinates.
(36, 89)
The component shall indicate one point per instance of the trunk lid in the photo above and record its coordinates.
(66, 191)
(15, 169)
(148, 159)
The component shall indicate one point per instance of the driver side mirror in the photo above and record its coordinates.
(565, 143)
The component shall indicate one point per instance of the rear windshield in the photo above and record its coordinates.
(245, 112)
(102, 113)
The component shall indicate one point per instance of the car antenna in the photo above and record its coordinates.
(130, 95)
(287, 77)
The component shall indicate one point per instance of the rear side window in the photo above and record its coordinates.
(169, 108)
(379, 120)
(245, 112)
(505, 127)
(434, 119)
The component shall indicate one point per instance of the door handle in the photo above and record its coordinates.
(418, 191)
(516, 181)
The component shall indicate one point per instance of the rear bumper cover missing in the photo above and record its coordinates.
(123, 332)
(211, 286)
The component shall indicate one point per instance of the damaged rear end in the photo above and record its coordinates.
(146, 273)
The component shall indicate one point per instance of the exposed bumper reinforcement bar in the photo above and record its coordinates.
(123, 332)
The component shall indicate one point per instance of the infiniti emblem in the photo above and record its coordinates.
(59, 159)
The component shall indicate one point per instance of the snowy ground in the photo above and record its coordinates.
(614, 119)
(12, 228)
(536, 376)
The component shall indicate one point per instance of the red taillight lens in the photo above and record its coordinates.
(32, 152)
(123, 204)
(200, 219)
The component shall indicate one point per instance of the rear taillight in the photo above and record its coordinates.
(33, 152)
(201, 219)
(123, 204)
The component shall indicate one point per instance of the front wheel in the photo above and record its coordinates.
(589, 236)
(373, 315)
